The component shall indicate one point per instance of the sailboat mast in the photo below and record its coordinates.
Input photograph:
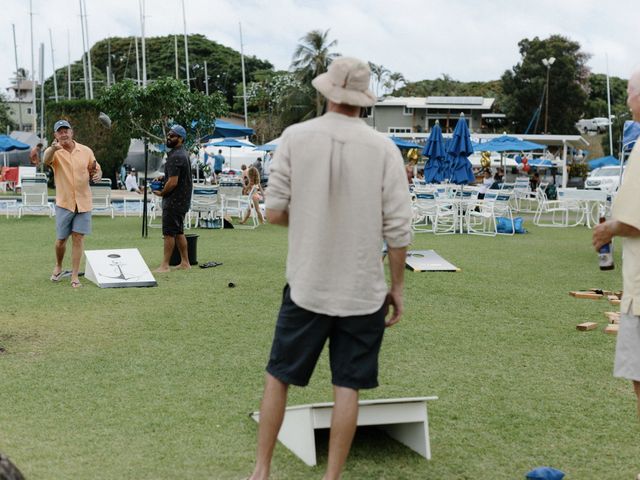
(53, 67)
(186, 46)
(244, 82)
(34, 125)
(18, 77)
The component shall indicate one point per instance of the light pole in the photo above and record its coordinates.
(547, 62)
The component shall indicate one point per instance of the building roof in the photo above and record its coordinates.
(438, 103)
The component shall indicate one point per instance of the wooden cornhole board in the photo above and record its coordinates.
(404, 419)
(118, 268)
(428, 261)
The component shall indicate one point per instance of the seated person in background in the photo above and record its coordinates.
(498, 178)
(131, 182)
(534, 181)
(420, 175)
(487, 182)
(258, 194)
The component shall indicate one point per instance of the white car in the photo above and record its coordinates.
(597, 124)
(605, 178)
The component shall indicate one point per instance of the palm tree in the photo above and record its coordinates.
(393, 80)
(378, 74)
(312, 57)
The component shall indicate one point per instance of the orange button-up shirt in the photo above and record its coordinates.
(71, 173)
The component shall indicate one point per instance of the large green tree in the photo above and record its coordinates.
(149, 112)
(224, 69)
(568, 83)
(312, 57)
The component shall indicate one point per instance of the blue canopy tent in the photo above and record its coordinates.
(434, 151)
(224, 129)
(7, 144)
(506, 143)
(458, 152)
(403, 144)
(607, 161)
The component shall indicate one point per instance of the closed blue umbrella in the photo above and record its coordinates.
(458, 151)
(434, 151)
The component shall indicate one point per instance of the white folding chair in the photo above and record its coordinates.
(238, 207)
(35, 195)
(101, 197)
(206, 204)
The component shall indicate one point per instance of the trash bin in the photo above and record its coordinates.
(192, 250)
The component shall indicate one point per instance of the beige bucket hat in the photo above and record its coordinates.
(346, 81)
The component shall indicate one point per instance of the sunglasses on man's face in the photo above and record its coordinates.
(172, 135)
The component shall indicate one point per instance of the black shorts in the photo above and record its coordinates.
(172, 223)
(354, 344)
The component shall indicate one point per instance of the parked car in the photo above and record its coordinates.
(597, 124)
(605, 178)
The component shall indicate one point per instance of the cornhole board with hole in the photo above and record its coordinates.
(118, 268)
(428, 261)
(404, 419)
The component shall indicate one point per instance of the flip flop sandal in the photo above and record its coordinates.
(210, 264)
(55, 277)
(75, 284)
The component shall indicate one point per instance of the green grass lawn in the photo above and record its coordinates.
(157, 383)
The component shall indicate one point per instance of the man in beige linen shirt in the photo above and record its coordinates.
(74, 165)
(341, 189)
(626, 223)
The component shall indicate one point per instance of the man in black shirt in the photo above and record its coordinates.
(176, 198)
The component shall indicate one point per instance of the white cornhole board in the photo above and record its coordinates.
(428, 261)
(404, 419)
(118, 268)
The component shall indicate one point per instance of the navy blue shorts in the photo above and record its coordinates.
(354, 344)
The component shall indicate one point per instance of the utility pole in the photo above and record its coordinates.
(175, 52)
(89, 67)
(206, 79)
(144, 49)
(34, 125)
(84, 54)
(68, 66)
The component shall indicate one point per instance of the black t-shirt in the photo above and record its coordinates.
(178, 165)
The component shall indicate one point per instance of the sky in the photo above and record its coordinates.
(468, 40)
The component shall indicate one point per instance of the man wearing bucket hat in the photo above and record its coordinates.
(341, 189)
(176, 198)
(74, 165)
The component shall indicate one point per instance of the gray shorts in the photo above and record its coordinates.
(627, 363)
(68, 221)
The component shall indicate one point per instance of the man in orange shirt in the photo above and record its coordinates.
(74, 165)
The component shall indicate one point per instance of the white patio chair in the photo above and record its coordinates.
(483, 219)
(425, 209)
(447, 216)
(522, 195)
(35, 195)
(563, 212)
(206, 204)
(101, 197)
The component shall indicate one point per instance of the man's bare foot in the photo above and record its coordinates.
(183, 266)
(162, 270)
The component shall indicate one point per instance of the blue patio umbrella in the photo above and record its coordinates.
(434, 151)
(229, 142)
(458, 151)
(8, 144)
(404, 144)
(269, 146)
